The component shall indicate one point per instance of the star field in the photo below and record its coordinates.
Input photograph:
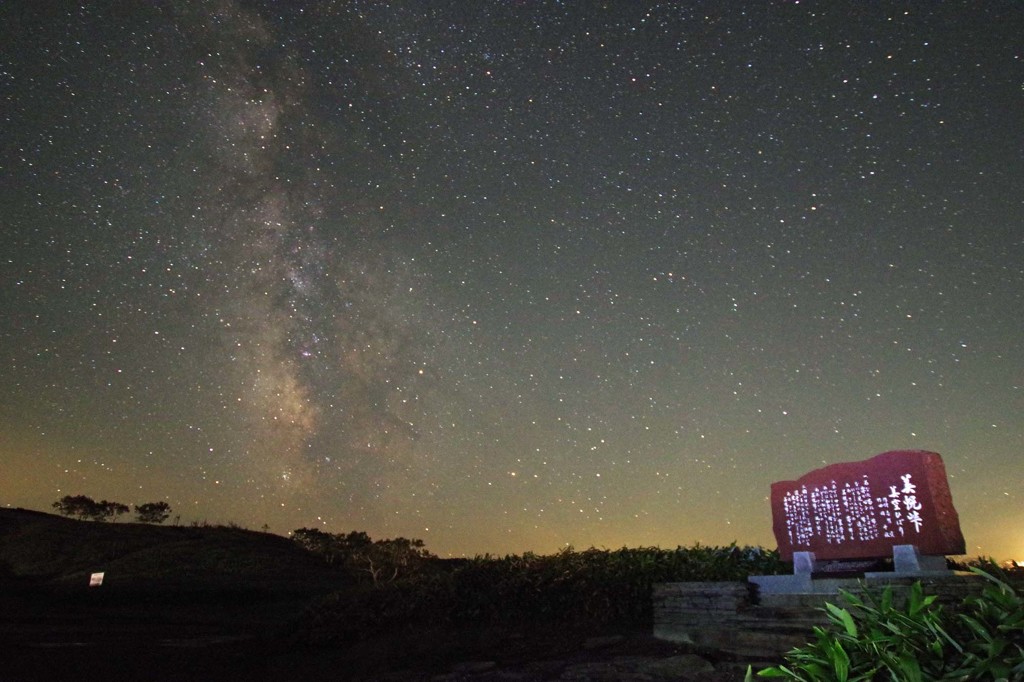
(509, 276)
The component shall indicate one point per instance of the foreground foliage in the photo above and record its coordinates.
(382, 561)
(875, 638)
(590, 588)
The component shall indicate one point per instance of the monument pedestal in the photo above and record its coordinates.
(907, 561)
(811, 577)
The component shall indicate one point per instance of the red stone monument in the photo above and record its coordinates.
(862, 510)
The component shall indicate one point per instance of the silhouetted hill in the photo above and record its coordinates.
(188, 603)
(61, 552)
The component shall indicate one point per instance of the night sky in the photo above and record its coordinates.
(506, 276)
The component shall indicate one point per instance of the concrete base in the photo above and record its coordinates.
(907, 561)
(800, 584)
(803, 563)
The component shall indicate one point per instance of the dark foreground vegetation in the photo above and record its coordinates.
(594, 588)
(222, 602)
(177, 603)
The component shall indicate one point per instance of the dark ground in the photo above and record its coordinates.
(92, 635)
(222, 603)
(51, 635)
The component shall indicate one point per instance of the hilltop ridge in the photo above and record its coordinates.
(60, 552)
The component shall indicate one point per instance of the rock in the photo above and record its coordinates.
(863, 509)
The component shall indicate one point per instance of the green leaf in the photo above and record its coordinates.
(909, 669)
(840, 661)
(852, 599)
(915, 601)
(996, 646)
(843, 617)
(816, 670)
(979, 630)
(886, 604)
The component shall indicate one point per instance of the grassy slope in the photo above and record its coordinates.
(226, 592)
(49, 549)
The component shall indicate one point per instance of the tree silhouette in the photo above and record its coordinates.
(152, 512)
(386, 560)
(382, 561)
(109, 511)
(82, 506)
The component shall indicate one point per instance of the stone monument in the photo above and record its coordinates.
(896, 504)
(858, 517)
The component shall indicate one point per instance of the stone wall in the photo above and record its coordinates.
(736, 622)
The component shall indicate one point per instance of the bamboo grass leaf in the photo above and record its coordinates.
(843, 617)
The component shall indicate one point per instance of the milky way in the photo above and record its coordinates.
(510, 276)
(322, 330)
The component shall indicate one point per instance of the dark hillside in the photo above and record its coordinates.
(189, 603)
(61, 553)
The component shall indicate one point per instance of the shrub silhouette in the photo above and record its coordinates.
(84, 507)
(576, 589)
(382, 561)
(152, 512)
(80, 506)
